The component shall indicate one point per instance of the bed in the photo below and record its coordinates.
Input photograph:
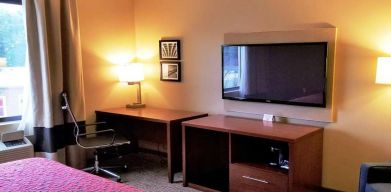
(39, 174)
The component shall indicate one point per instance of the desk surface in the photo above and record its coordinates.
(153, 114)
(252, 127)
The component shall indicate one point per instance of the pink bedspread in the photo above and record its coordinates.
(38, 174)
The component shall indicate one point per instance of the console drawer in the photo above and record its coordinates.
(246, 178)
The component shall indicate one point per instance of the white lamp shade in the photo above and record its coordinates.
(133, 72)
(383, 71)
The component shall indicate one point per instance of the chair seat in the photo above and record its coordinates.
(102, 140)
(378, 187)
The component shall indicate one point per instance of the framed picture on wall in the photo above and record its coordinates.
(169, 50)
(170, 71)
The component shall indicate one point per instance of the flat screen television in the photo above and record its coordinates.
(285, 73)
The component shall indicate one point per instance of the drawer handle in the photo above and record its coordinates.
(254, 179)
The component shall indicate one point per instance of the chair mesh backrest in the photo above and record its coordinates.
(379, 174)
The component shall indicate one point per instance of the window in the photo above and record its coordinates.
(12, 59)
(2, 106)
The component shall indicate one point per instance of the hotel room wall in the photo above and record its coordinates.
(107, 34)
(362, 128)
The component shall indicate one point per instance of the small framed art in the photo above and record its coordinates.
(170, 71)
(170, 50)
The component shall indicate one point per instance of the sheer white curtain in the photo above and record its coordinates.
(54, 60)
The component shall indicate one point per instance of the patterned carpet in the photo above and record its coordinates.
(149, 173)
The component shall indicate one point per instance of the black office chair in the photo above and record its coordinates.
(375, 177)
(102, 139)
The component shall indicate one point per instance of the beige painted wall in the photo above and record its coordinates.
(106, 31)
(363, 125)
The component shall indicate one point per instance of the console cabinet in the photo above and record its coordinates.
(223, 153)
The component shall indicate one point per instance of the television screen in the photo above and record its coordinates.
(286, 73)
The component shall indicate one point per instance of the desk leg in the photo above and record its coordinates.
(169, 154)
(185, 184)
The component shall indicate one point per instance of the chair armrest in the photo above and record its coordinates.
(96, 132)
(109, 144)
(374, 173)
(91, 124)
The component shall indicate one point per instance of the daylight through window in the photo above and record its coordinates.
(12, 60)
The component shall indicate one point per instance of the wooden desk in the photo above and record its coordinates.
(223, 153)
(152, 124)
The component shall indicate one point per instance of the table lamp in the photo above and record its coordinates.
(383, 72)
(133, 74)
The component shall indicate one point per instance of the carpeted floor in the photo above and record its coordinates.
(149, 173)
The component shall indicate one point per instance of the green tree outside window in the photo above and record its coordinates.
(12, 35)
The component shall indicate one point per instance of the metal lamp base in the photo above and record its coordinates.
(139, 103)
(135, 105)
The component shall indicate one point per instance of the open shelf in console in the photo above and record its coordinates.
(258, 152)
